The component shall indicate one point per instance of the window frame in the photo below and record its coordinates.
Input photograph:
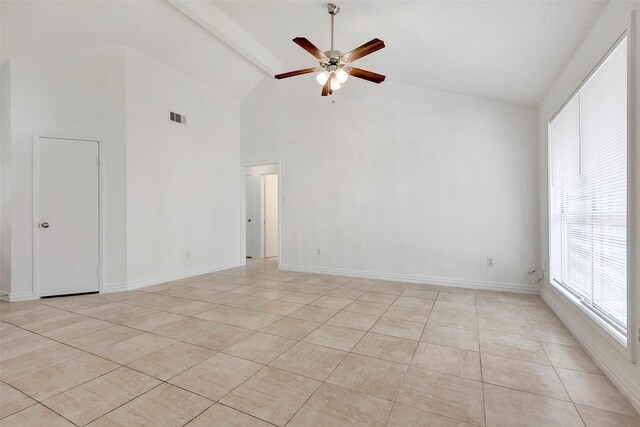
(622, 342)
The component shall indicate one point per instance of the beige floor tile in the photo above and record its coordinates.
(398, 328)
(511, 329)
(554, 334)
(240, 301)
(156, 301)
(9, 309)
(367, 307)
(191, 308)
(23, 345)
(309, 360)
(418, 293)
(596, 391)
(408, 313)
(340, 407)
(154, 321)
(281, 308)
(17, 367)
(412, 302)
(93, 399)
(454, 307)
(253, 320)
(314, 314)
(12, 400)
(117, 312)
(272, 395)
(134, 348)
(272, 293)
(594, 417)
(454, 319)
(378, 297)
(448, 360)
(77, 329)
(104, 338)
(506, 407)
(523, 376)
(463, 339)
(216, 376)
(36, 415)
(350, 319)
(261, 348)
(50, 381)
(368, 375)
(447, 395)
(203, 333)
(331, 302)
(222, 416)
(164, 405)
(293, 328)
(570, 357)
(172, 360)
(352, 294)
(335, 337)
(466, 297)
(221, 313)
(405, 416)
(300, 298)
(59, 321)
(512, 347)
(31, 317)
(386, 347)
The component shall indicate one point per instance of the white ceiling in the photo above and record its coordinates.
(506, 50)
(153, 27)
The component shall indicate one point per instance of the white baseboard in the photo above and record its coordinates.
(143, 283)
(524, 288)
(595, 346)
(17, 296)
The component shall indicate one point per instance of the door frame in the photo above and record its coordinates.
(243, 207)
(37, 136)
(263, 212)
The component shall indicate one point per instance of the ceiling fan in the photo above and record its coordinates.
(334, 65)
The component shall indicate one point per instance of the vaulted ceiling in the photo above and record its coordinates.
(505, 50)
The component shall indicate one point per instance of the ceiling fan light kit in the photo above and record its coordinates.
(334, 66)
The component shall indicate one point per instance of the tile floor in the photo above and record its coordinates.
(256, 346)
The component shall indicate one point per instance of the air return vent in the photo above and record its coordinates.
(178, 118)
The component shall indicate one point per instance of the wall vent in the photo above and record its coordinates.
(178, 118)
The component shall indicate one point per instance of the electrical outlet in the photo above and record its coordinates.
(489, 262)
(318, 252)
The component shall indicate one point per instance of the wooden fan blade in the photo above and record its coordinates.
(295, 73)
(367, 75)
(365, 49)
(326, 89)
(309, 47)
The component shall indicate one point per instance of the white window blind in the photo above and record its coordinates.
(588, 192)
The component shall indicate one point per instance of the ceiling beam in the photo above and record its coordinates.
(212, 19)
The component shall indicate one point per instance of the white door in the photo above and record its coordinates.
(68, 223)
(270, 215)
(252, 221)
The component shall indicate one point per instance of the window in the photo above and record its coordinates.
(588, 192)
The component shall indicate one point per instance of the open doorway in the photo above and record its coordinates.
(261, 192)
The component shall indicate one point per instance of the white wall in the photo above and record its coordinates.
(182, 181)
(610, 25)
(399, 182)
(253, 191)
(75, 94)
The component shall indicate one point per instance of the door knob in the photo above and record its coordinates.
(44, 225)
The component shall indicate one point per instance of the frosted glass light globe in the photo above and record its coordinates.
(322, 77)
(342, 75)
